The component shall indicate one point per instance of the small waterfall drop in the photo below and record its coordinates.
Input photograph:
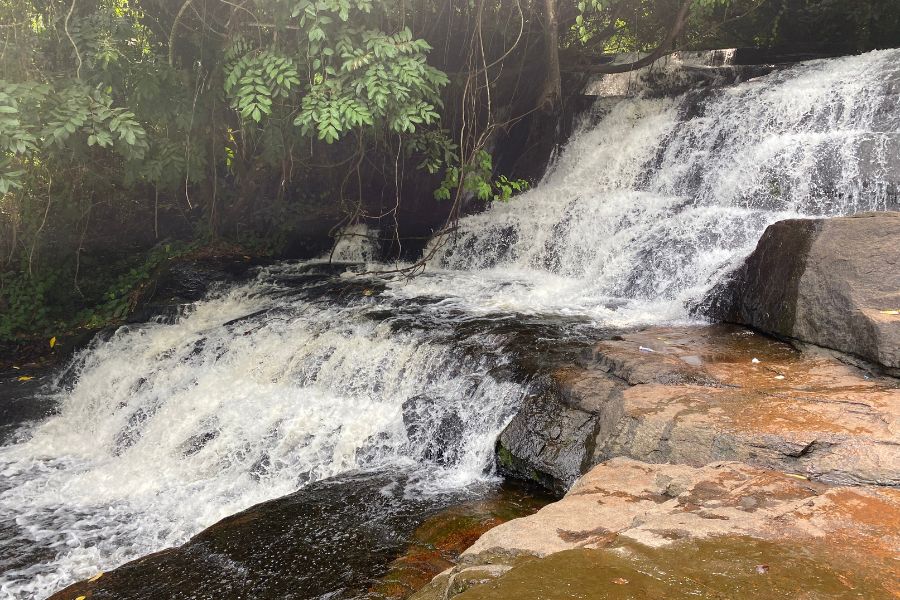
(356, 243)
(166, 427)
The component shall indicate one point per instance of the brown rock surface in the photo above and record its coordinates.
(737, 524)
(699, 397)
(657, 505)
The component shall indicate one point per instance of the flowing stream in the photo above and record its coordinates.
(304, 373)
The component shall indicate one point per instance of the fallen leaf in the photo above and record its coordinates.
(845, 581)
(81, 598)
(368, 292)
(762, 569)
(890, 312)
(53, 341)
(96, 577)
(25, 378)
(620, 581)
(797, 476)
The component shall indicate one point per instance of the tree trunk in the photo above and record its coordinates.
(551, 94)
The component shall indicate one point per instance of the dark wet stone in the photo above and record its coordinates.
(551, 439)
(333, 539)
(23, 402)
(195, 443)
(183, 282)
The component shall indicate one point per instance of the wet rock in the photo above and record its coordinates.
(702, 531)
(184, 281)
(638, 364)
(437, 544)
(553, 438)
(22, 400)
(550, 440)
(830, 282)
(354, 536)
(680, 73)
(335, 534)
(698, 398)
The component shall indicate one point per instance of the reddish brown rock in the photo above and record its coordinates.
(725, 530)
(657, 505)
(696, 395)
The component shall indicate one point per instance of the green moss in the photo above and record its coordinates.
(512, 466)
(719, 568)
(505, 457)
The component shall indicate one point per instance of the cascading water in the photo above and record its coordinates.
(164, 428)
(648, 209)
(168, 428)
(356, 243)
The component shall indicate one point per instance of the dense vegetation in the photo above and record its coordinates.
(135, 131)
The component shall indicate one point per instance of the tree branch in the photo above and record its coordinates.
(175, 24)
(69, 35)
(661, 50)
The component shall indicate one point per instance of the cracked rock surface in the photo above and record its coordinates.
(695, 395)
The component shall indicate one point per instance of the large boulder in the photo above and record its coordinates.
(829, 282)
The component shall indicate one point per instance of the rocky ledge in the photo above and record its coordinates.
(697, 395)
(629, 529)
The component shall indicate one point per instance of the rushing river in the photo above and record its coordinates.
(304, 373)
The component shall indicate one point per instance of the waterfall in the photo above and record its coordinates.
(164, 428)
(646, 210)
(356, 243)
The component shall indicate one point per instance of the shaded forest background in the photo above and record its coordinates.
(134, 132)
